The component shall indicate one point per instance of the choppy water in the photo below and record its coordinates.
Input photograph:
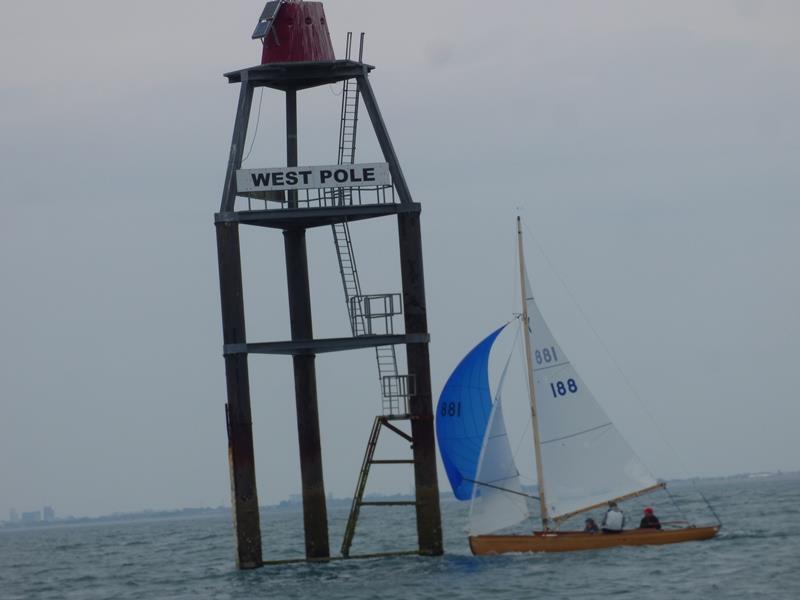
(757, 554)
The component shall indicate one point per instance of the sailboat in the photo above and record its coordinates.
(582, 461)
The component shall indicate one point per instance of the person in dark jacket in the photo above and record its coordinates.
(649, 520)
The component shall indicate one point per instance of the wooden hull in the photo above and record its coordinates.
(571, 541)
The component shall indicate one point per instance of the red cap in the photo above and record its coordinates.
(648, 510)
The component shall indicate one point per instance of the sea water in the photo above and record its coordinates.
(756, 555)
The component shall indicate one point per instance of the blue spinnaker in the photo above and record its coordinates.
(462, 415)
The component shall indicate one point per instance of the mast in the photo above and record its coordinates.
(529, 368)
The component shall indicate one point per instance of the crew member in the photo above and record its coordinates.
(649, 520)
(589, 526)
(614, 519)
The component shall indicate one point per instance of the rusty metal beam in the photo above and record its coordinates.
(323, 345)
(237, 146)
(397, 430)
(315, 515)
(244, 497)
(429, 523)
(384, 140)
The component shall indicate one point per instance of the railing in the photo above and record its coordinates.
(319, 198)
(397, 389)
(374, 312)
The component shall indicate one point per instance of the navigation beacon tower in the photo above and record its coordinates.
(298, 54)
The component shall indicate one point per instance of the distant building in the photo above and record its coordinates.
(33, 516)
(13, 517)
(48, 513)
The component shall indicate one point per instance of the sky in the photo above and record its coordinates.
(651, 149)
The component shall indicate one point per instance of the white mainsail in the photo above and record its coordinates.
(584, 458)
(497, 498)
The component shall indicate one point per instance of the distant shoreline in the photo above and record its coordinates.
(295, 505)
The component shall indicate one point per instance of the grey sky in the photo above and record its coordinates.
(653, 150)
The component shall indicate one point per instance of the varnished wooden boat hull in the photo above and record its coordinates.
(571, 541)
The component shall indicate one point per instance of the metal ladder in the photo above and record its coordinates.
(381, 421)
(361, 315)
(386, 356)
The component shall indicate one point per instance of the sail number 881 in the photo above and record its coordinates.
(450, 409)
(545, 356)
(562, 388)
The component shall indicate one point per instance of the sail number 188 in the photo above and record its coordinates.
(562, 388)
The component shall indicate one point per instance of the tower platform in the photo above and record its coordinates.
(299, 75)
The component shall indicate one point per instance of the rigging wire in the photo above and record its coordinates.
(502, 489)
(677, 506)
(625, 379)
(255, 131)
(708, 504)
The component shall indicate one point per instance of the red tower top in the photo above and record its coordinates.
(294, 31)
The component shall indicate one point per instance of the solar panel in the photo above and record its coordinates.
(266, 19)
(270, 10)
(261, 29)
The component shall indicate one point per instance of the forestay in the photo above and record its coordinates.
(584, 458)
(497, 498)
(462, 415)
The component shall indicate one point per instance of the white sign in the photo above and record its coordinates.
(301, 178)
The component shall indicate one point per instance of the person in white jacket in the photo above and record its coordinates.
(614, 519)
